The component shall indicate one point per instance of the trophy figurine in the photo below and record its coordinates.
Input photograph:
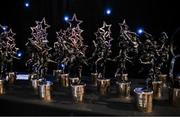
(128, 44)
(144, 96)
(39, 59)
(174, 84)
(101, 54)
(8, 52)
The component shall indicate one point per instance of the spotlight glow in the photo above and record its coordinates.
(26, 4)
(62, 65)
(4, 28)
(19, 54)
(140, 31)
(108, 11)
(66, 18)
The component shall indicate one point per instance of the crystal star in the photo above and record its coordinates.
(106, 28)
(74, 22)
(123, 25)
(10, 34)
(42, 24)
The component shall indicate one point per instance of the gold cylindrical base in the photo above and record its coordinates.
(45, 91)
(2, 87)
(48, 91)
(144, 100)
(163, 78)
(64, 81)
(35, 85)
(94, 77)
(174, 97)
(157, 89)
(56, 73)
(78, 91)
(103, 86)
(124, 89)
(11, 77)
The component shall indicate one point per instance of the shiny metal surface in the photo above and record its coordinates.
(94, 77)
(11, 77)
(78, 91)
(157, 89)
(144, 100)
(124, 89)
(103, 86)
(2, 88)
(64, 80)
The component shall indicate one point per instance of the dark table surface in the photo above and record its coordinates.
(20, 99)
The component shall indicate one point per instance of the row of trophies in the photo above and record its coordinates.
(69, 55)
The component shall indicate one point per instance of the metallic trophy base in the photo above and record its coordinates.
(45, 91)
(124, 89)
(144, 100)
(157, 90)
(64, 80)
(163, 78)
(57, 73)
(103, 86)
(174, 97)
(2, 87)
(94, 77)
(35, 84)
(78, 91)
(11, 77)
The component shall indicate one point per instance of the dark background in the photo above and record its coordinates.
(154, 15)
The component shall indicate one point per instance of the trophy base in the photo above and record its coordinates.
(94, 77)
(174, 97)
(2, 87)
(78, 91)
(103, 86)
(11, 78)
(144, 100)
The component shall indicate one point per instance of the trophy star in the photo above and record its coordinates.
(11, 34)
(42, 24)
(123, 25)
(74, 22)
(105, 27)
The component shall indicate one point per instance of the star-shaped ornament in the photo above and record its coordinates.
(11, 34)
(74, 22)
(123, 25)
(42, 24)
(106, 27)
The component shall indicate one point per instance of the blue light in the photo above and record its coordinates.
(66, 18)
(108, 11)
(19, 54)
(62, 65)
(26, 4)
(140, 31)
(4, 28)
